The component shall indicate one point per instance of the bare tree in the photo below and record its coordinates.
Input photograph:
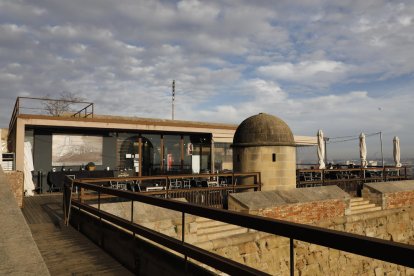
(57, 107)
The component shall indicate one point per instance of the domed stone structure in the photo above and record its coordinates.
(264, 143)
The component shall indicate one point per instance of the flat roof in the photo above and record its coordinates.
(130, 120)
(221, 132)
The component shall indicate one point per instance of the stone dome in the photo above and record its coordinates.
(263, 130)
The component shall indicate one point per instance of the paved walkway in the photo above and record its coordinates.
(65, 250)
(19, 254)
(34, 241)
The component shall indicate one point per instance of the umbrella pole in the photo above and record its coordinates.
(382, 155)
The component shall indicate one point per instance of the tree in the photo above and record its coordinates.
(57, 107)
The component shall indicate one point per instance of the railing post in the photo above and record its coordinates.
(323, 177)
(233, 182)
(260, 181)
(405, 172)
(292, 258)
(100, 219)
(183, 238)
(166, 187)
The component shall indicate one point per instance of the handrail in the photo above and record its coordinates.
(211, 259)
(14, 115)
(18, 107)
(85, 109)
(388, 251)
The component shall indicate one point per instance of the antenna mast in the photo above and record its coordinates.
(173, 99)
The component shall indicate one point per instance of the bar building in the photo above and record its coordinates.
(137, 146)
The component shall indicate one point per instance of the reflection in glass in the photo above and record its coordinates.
(223, 157)
(151, 154)
(172, 153)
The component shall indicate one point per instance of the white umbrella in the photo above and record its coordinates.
(397, 154)
(28, 168)
(363, 150)
(321, 150)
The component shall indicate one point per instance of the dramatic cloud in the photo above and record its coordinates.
(343, 66)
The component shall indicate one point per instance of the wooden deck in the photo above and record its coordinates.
(64, 250)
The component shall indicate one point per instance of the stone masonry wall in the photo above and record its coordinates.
(307, 212)
(398, 199)
(16, 181)
(389, 200)
(271, 253)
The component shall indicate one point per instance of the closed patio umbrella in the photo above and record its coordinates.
(397, 153)
(321, 150)
(363, 150)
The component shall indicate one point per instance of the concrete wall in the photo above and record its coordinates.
(16, 182)
(280, 173)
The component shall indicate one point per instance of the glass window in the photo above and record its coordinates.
(172, 153)
(201, 153)
(151, 154)
(127, 147)
(223, 157)
(188, 154)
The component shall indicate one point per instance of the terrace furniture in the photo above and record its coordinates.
(155, 188)
(56, 179)
(118, 185)
(175, 184)
(187, 183)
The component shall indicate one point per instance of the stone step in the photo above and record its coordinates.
(372, 209)
(215, 229)
(363, 206)
(356, 199)
(221, 234)
(202, 219)
(360, 202)
(209, 223)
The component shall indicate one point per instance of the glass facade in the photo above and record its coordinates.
(172, 153)
(223, 157)
(164, 153)
(151, 154)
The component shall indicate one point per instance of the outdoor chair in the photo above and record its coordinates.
(175, 184)
(187, 183)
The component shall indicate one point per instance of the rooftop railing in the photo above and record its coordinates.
(51, 107)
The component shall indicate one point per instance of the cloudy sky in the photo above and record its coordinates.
(342, 66)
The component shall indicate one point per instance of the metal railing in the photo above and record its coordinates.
(348, 179)
(397, 253)
(213, 196)
(29, 105)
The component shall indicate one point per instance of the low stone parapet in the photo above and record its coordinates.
(389, 195)
(306, 205)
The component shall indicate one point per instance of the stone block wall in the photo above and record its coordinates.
(274, 174)
(391, 198)
(271, 253)
(306, 212)
(373, 196)
(16, 181)
(398, 199)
